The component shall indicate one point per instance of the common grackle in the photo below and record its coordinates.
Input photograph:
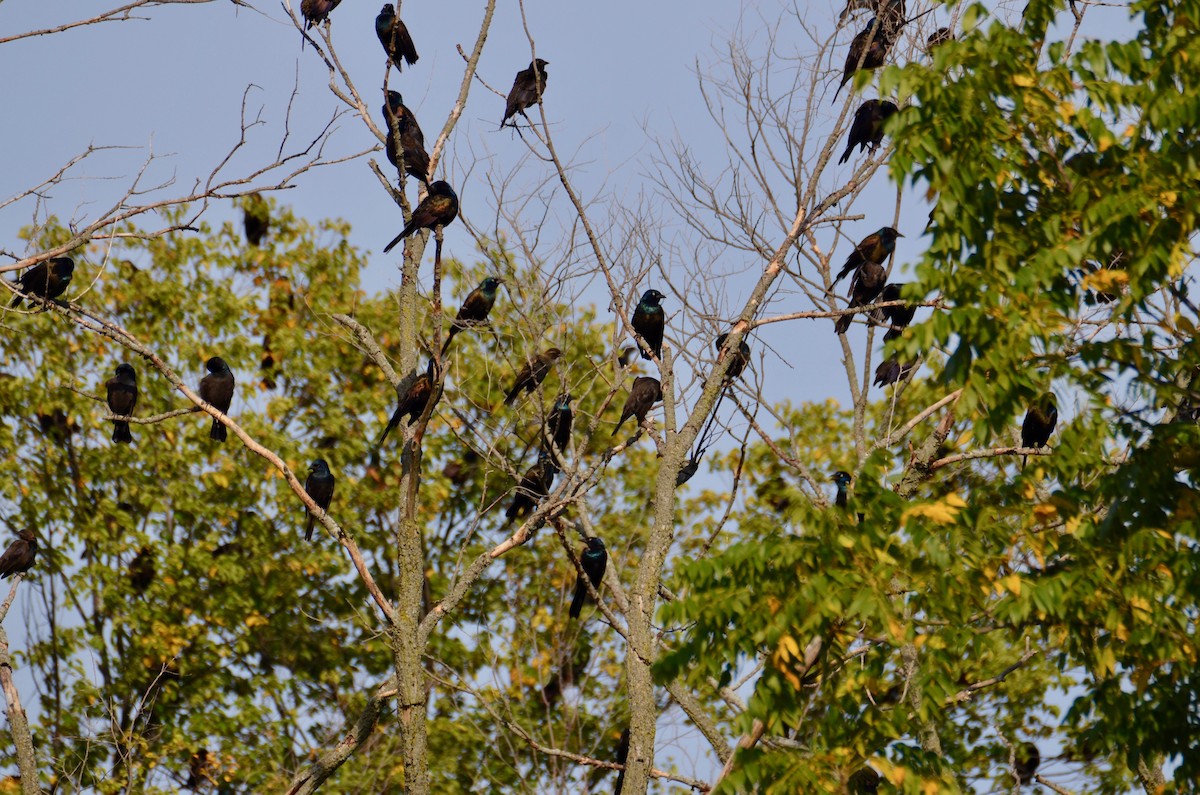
(937, 38)
(868, 50)
(534, 486)
(626, 355)
(740, 359)
(141, 570)
(897, 317)
(864, 781)
(644, 393)
(1028, 758)
(527, 90)
(533, 373)
(393, 35)
(438, 208)
(320, 487)
(18, 558)
(256, 218)
(316, 11)
(216, 389)
(475, 309)
(593, 561)
(867, 127)
(558, 425)
(411, 138)
(891, 14)
(122, 397)
(648, 321)
(1039, 422)
(865, 287)
(843, 479)
(47, 279)
(411, 402)
(875, 247)
(890, 371)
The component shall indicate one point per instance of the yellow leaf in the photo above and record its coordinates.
(773, 604)
(1012, 584)
(1106, 280)
(255, 620)
(789, 648)
(1168, 198)
(930, 788)
(1024, 81)
(1066, 110)
(944, 511)
(845, 540)
(1045, 512)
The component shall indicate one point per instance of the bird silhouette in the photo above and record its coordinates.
(593, 561)
(938, 38)
(216, 389)
(1028, 758)
(319, 486)
(393, 35)
(527, 90)
(405, 138)
(897, 317)
(644, 393)
(868, 50)
(875, 247)
(890, 371)
(532, 373)
(411, 403)
(741, 358)
(438, 208)
(122, 397)
(475, 308)
(865, 287)
(843, 479)
(534, 486)
(1040, 419)
(141, 570)
(19, 556)
(867, 127)
(558, 425)
(648, 321)
(256, 218)
(48, 279)
(316, 11)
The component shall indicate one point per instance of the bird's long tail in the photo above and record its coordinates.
(308, 529)
(121, 434)
(578, 600)
(217, 432)
(449, 338)
(403, 234)
(392, 423)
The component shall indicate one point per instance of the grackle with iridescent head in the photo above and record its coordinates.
(475, 308)
(393, 35)
(593, 562)
(438, 208)
(648, 321)
(558, 425)
(411, 139)
(319, 486)
(875, 247)
(47, 279)
(843, 479)
(897, 317)
(411, 403)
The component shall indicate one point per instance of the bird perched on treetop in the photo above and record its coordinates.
(475, 308)
(533, 373)
(412, 402)
(867, 127)
(256, 218)
(122, 397)
(527, 89)
(48, 279)
(1028, 758)
(843, 479)
(875, 247)
(741, 358)
(558, 424)
(644, 393)
(411, 138)
(937, 38)
(393, 35)
(438, 208)
(320, 487)
(868, 50)
(216, 389)
(593, 561)
(315, 11)
(890, 371)
(18, 558)
(865, 287)
(534, 486)
(1039, 422)
(898, 317)
(648, 321)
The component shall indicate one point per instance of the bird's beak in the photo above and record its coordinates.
(899, 235)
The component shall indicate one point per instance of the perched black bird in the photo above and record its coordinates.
(875, 247)
(533, 373)
(438, 208)
(843, 479)
(648, 321)
(411, 139)
(593, 561)
(393, 35)
(18, 558)
(475, 309)
(865, 287)
(1039, 422)
(216, 389)
(534, 486)
(937, 38)
(868, 50)
(644, 393)
(411, 402)
(898, 317)
(141, 570)
(626, 355)
(320, 487)
(256, 217)
(558, 425)
(867, 127)
(122, 397)
(864, 781)
(891, 14)
(47, 279)
(740, 359)
(1028, 758)
(890, 371)
(527, 90)
(316, 11)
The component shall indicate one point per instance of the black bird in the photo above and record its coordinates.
(320, 487)
(593, 561)
(438, 208)
(216, 389)
(868, 50)
(626, 355)
(18, 558)
(316, 11)
(122, 397)
(47, 279)
(890, 371)
(475, 309)
(411, 402)
(534, 486)
(891, 14)
(1039, 422)
(558, 425)
(527, 90)
(865, 287)
(740, 359)
(867, 127)
(875, 247)
(937, 38)
(864, 781)
(648, 321)
(533, 373)
(393, 35)
(411, 138)
(898, 317)
(1028, 758)
(843, 479)
(644, 393)
(141, 570)
(256, 217)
